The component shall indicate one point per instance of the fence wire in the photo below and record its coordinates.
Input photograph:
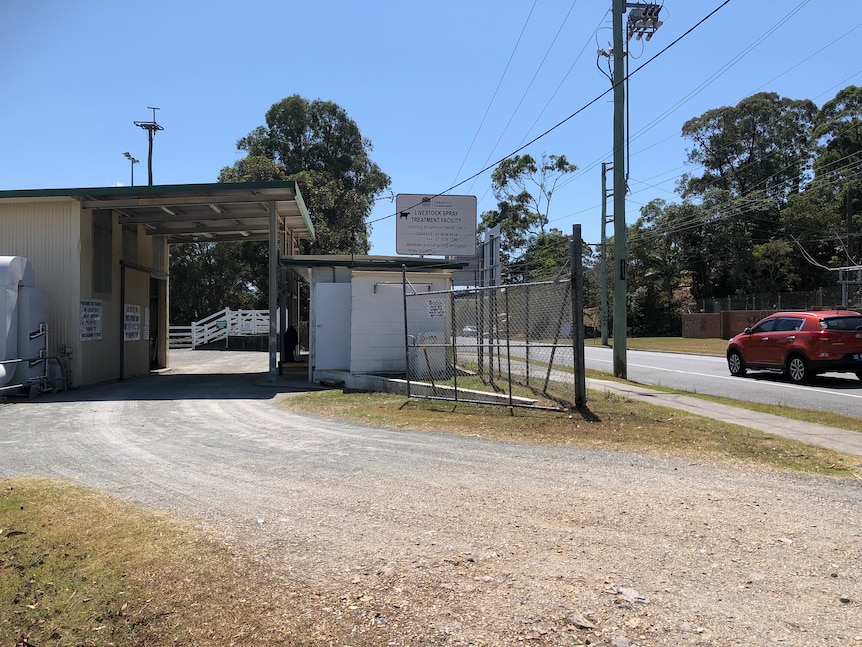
(831, 297)
(509, 345)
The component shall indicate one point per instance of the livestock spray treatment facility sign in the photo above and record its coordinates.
(435, 225)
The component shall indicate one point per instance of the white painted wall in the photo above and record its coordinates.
(357, 319)
(377, 318)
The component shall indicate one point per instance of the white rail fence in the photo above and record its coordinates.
(218, 327)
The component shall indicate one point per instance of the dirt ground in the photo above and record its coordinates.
(432, 539)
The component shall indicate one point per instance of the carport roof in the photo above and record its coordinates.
(194, 212)
(363, 262)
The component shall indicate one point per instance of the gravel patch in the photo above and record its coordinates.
(433, 539)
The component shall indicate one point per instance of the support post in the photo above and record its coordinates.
(406, 329)
(273, 292)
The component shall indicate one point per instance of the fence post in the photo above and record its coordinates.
(508, 350)
(480, 332)
(227, 322)
(454, 342)
(406, 331)
(527, 334)
(578, 362)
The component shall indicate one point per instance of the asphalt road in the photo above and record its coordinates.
(835, 392)
(708, 375)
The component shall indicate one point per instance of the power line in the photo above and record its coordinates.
(718, 73)
(565, 76)
(554, 94)
(574, 114)
(745, 205)
(496, 90)
(530, 84)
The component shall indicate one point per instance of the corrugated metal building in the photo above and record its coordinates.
(100, 257)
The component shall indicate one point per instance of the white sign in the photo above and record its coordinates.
(436, 308)
(435, 225)
(131, 323)
(146, 332)
(91, 320)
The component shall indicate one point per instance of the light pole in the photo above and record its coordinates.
(152, 127)
(133, 161)
(642, 21)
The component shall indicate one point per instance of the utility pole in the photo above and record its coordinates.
(620, 254)
(151, 127)
(642, 21)
(603, 261)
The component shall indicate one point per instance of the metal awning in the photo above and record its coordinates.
(214, 213)
(366, 262)
(196, 212)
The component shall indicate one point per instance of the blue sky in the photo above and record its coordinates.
(442, 89)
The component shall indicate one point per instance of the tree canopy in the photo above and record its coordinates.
(770, 196)
(208, 277)
(319, 146)
(523, 188)
(774, 202)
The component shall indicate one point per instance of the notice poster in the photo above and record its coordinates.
(436, 308)
(146, 323)
(131, 322)
(91, 320)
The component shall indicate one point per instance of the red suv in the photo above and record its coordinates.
(801, 344)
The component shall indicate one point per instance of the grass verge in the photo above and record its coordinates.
(609, 422)
(80, 569)
(671, 345)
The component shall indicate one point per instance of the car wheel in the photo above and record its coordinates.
(797, 369)
(735, 364)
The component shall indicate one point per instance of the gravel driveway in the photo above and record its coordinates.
(442, 540)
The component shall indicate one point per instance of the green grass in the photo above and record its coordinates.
(80, 569)
(609, 422)
(671, 345)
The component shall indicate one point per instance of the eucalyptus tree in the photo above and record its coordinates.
(756, 158)
(523, 188)
(761, 144)
(208, 277)
(317, 144)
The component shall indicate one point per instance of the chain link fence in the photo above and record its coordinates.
(510, 345)
(831, 297)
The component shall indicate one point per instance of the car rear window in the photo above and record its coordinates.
(787, 324)
(843, 323)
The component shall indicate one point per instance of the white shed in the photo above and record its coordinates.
(356, 310)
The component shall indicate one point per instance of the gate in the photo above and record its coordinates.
(511, 345)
